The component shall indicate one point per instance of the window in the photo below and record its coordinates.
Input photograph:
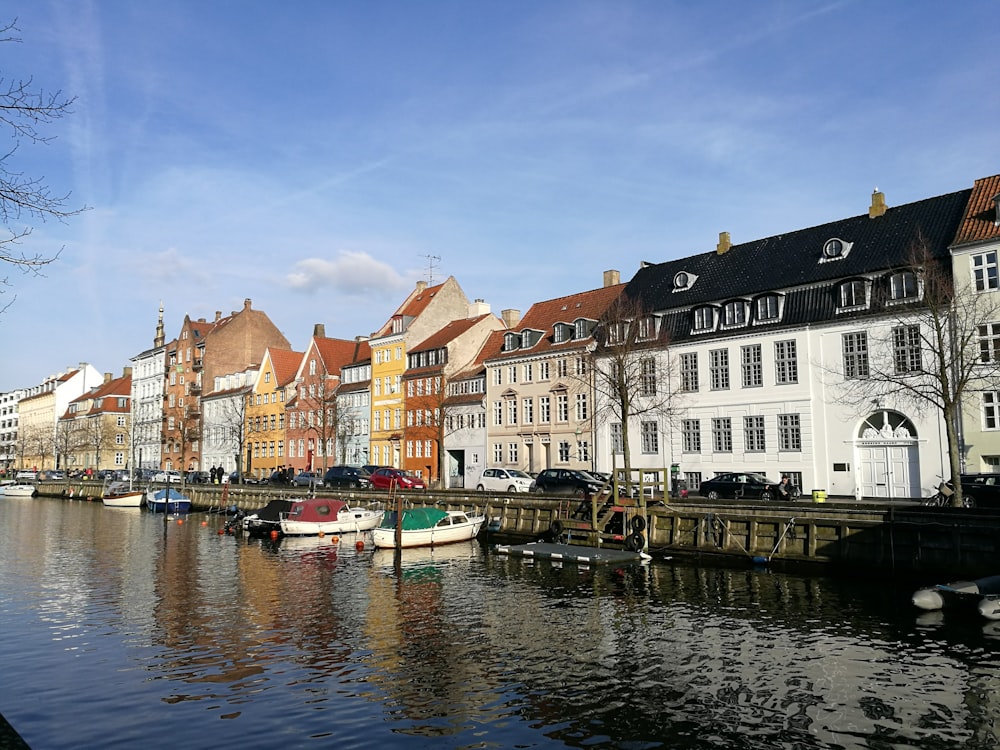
(906, 349)
(989, 342)
(528, 411)
(583, 451)
(903, 285)
(512, 411)
(789, 432)
(691, 436)
(528, 372)
(646, 328)
(767, 307)
(580, 329)
(718, 369)
(693, 480)
(497, 377)
(753, 434)
(543, 370)
(561, 368)
(581, 407)
(511, 453)
(752, 366)
(851, 294)
(497, 414)
(617, 446)
(647, 377)
(722, 435)
(984, 271)
(497, 453)
(734, 313)
(562, 408)
(581, 366)
(786, 368)
(689, 371)
(833, 249)
(704, 318)
(563, 451)
(544, 415)
(855, 355)
(991, 410)
(650, 437)
(512, 374)
(561, 333)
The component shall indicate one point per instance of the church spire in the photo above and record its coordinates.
(160, 338)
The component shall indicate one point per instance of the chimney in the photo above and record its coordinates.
(319, 331)
(612, 278)
(477, 308)
(421, 286)
(724, 244)
(107, 377)
(126, 372)
(246, 303)
(878, 207)
(218, 316)
(510, 317)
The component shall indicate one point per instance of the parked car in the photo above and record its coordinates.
(384, 477)
(26, 475)
(166, 476)
(505, 480)
(197, 477)
(235, 478)
(307, 479)
(739, 484)
(52, 475)
(347, 476)
(568, 482)
(981, 490)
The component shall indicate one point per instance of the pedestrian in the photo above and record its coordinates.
(784, 488)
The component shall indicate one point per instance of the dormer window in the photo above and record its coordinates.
(704, 319)
(529, 338)
(511, 341)
(734, 313)
(852, 294)
(646, 328)
(581, 328)
(903, 286)
(683, 281)
(562, 333)
(996, 210)
(835, 249)
(767, 308)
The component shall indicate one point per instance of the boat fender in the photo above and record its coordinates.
(989, 608)
(639, 524)
(635, 541)
(928, 599)
(556, 528)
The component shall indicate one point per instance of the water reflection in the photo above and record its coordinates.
(295, 641)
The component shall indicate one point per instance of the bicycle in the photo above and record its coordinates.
(941, 498)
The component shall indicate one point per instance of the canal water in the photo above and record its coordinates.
(121, 630)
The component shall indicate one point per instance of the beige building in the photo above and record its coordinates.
(95, 430)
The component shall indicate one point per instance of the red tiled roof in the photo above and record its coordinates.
(335, 353)
(285, 364)
(980, 223)
(452, 330)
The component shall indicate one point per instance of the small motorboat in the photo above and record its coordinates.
(425, 527)
(168, 501)
(19, 489)
(325, 515)
(122, 495)
(266, 520)
(982, 591)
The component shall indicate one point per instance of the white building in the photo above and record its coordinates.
(148, 372)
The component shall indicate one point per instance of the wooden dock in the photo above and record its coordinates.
(569, 553)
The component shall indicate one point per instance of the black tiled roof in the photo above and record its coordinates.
(789, 262)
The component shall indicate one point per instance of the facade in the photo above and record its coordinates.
(8, 429)
(266, 407)
(38, 411)
(202, 351)
(538, 387)
(429, 368)
(772, 349)
(315, 426)
(424, 311)
(95, 431)
(465, 419)
(975, 253)
(354, 407)
(224, 427)
(147, 402)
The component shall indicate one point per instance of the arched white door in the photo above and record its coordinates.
(887, 457)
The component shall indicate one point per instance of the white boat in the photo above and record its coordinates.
(425, 527)
(19, 489)
(121, 495)
(324, 515)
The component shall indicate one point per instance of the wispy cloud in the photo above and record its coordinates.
(350, 273)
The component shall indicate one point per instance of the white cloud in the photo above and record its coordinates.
(350, 273)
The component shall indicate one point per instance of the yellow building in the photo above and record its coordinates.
(265, 427)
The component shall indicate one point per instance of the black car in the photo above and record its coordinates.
(981, 490)
(739, 485)
(347, 476)
(568, 482)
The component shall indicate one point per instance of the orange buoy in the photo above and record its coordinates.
(359, 545)
(180, 521)
(204, 523)
(274, 533)
(221, 532)
(321, 535)
(335, 539)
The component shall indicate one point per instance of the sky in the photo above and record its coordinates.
(320, 158)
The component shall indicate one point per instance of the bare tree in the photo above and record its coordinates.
(627, 375)
(25, 109)
(929, 351)
(429, 409)
(323, 416)
(232, 421)
(67, 442)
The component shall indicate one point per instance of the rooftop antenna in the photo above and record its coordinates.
(430, 268)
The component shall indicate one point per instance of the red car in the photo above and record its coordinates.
(386, 477)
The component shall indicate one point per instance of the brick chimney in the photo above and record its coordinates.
(724, 244)
(878, 207)
(612, 278)
(319, 331)
(510, 317)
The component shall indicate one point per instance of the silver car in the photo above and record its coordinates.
(505, 480)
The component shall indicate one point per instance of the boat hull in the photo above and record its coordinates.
(348, 520)
(385, 538)
(160, 502)
(124, 500)
(19, 490)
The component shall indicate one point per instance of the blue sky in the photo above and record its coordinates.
(312, 155)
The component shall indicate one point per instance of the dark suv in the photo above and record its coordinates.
(347, 476)
(568, 482)
(981, 490)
